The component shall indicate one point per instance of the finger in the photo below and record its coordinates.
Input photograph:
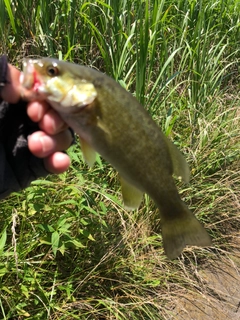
(52, 123)
(43, 145)
(37, 109)
(57, 162)
(11, 90)
(49, 120)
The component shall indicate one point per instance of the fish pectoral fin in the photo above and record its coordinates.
(104, 128)
(89, 154)
(132, 196)
(183, 231)
(180, 166)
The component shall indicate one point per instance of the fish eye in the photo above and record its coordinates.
(52, 71)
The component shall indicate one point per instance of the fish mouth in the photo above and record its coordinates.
(30, 81)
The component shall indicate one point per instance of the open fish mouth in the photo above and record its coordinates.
(27, 75)
(31, 86)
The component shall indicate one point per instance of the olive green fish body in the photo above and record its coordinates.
(120, 146)
(112, 122)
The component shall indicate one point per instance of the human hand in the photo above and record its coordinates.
(54, 135)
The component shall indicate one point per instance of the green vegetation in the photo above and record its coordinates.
(68, 248)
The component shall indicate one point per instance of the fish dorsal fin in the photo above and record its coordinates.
(180, 166)
(89, 154)
(132, 196)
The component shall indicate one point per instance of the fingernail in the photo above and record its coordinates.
(47, 143)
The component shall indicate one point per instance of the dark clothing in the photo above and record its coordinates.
(18, 166)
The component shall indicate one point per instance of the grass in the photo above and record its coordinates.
(68, 248)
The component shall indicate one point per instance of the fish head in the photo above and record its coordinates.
(56, 82)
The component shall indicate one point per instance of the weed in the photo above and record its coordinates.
(68, 248)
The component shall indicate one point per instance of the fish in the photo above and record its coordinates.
(111, 122)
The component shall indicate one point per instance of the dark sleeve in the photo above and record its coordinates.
(18, 167)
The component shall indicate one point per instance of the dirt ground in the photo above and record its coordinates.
(219, 296)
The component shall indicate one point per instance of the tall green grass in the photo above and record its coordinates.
(68, 248)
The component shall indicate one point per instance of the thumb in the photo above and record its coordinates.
(11, 91)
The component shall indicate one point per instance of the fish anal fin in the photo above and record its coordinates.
(180, 166)
(89, 154)
(181, 232)
(132, 196)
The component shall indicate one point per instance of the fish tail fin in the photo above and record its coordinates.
(181, 231)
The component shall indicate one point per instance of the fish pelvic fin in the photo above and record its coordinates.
(132, 196)
(180, 166)
(180, 232)
(89, 154)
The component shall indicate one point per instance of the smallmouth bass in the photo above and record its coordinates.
(110, 121)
